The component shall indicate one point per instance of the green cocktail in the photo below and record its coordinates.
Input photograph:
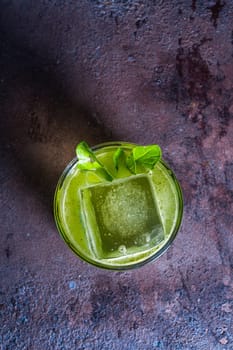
(118, 224)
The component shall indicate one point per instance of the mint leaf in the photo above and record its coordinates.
(118, 157)
(143, 156)
(130, 163)
(88, 161)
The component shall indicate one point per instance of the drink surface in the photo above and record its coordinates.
(118, 236)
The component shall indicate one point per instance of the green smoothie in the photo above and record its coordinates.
(122, 223)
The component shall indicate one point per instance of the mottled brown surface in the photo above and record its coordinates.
(141, 71)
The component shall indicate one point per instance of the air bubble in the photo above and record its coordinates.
(122, 249)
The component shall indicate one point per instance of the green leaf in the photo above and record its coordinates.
(88, 161)
(130, 163)
(118, 157)
(143, 156)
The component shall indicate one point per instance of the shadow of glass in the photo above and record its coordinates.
(40, 123)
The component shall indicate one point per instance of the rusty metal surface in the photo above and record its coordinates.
(141, 71)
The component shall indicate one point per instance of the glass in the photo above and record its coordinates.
(98, 233)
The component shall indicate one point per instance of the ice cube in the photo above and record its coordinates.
(121, 217)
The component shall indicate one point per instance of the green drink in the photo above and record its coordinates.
(118, 224)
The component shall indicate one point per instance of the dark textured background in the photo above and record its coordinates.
(142, 71)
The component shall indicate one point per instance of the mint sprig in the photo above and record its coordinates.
(139, 160)
(118, 158)
(88, 161)
(143, 157)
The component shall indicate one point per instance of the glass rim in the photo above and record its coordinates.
(98, 263)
